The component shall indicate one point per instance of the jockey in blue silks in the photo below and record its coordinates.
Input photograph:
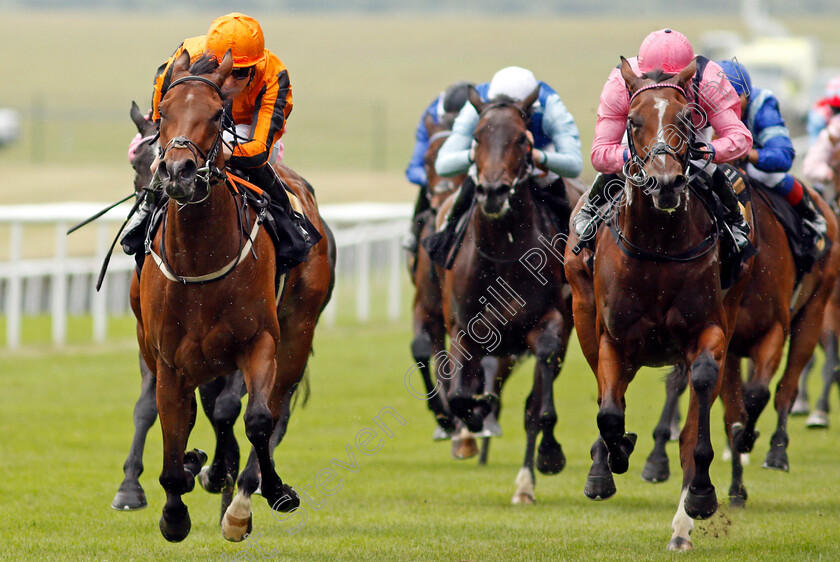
(771, 157)
(556, 149)
(447, 103)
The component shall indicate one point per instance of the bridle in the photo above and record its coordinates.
(209, 171)
(527, 167)
(662, 148)
(207, 174)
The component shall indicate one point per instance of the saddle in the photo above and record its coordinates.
(805, 249)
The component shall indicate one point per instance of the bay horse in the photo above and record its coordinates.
(830, 336)
(427, 313)
(206, 303)
(654, 295)
(220, 399)
(774, 309)
(492, 304)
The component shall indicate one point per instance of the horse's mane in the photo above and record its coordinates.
(658, 75)
(205, 65)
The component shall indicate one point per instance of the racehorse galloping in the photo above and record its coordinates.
(492, 304)
(429, 328)
(773, 308)
(830, 336)
(219, 314)
(221, 399)
(654, 296)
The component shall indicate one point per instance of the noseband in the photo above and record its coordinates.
(209, 171)
(658, 148)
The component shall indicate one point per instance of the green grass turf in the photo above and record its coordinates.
(65, 421)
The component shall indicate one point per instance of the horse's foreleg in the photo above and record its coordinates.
(819, 417)
(466, 384)
(733, 418)
(526, 479)
(130, 495)
(549, 349)
(425, 345)
(656, 466)
(177, 407)
(611, 451)
(696, 449)
(805, 332)
(800, 405)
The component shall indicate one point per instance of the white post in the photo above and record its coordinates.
(363, 280)
(394, 278)
(14, 292)
(59, 286)
(98, 300)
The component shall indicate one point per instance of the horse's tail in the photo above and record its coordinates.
(302, 391)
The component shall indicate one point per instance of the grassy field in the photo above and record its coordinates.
(66, 425)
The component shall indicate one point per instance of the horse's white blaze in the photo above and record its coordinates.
(188, 98)
(682, 523)
(661, 104)
(239, 510)
(524, 487)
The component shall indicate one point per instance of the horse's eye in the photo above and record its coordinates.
(217, 116)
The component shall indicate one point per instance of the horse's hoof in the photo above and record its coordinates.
(464, 447)
(130, 497)
(620, 464)
(776, 460)
(523, 498)
(440, 434)
(817, 420)
(212, 485)
(737, 496)
(656, 468)
(550, 458)
(800, 407)
(490, 427)
(445, 423)
(235, 529)
(176, 529)
(287, 501)
(679, 544)
(744, 439)
(194, 460)
(701, 505)
(599, 487)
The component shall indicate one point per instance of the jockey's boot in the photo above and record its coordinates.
(587, 220)
(738, 227)
(266, 178)
(811, 217)
(440, 244)
(412, 238)
(134, 234)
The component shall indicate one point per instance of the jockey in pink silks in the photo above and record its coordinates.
(717, 109)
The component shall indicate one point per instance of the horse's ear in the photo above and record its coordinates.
(633, 81)
(687, 73)
(528, 102)
(181, 64)
(429, 123)
(225, 68)
(137, 117)
(475, 100)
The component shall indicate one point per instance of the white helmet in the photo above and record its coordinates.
(514, 81)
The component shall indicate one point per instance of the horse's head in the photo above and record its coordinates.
(439, 187)
(191, 123)
(659, 130)
(144, 153)
(502, 149)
